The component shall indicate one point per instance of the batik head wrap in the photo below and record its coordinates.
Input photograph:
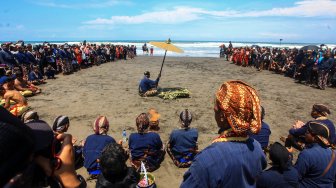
(29, 116)
(142, 122)
(101, 125)
(241, 107)
(320, 131)
(321, 109)
(186, 117)
(60, 123)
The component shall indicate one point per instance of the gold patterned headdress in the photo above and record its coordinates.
(241, 106)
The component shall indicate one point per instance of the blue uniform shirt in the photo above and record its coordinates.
(311, 163)
(7, 57)
(263, 136)
(226, 164)
(30, 57)
(138, 143)
(181, 141)
(326, 64)
(147, 84)
(21, 58)
(302, 131)
(32, 76)
(92, 149)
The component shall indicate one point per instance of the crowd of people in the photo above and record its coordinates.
(24, 67)
(311, 66)
(36, 154)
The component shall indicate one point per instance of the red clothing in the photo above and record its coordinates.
(78, 55)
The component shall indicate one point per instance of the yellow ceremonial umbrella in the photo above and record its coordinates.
(167, 46)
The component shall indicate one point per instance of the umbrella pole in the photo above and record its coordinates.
(164, 57)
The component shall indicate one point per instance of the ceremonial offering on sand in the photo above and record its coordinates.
(173, 93)
(146, 179)
(149, 183)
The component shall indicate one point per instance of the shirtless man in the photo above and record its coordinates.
(22, 85)
(8, 93)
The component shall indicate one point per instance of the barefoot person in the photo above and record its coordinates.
(147, 87)
(233, 159)
(22, 85)
(9, 94)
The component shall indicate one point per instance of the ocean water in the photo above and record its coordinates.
(191, 48)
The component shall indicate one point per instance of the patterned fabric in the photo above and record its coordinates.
(230, 135)
(322, 109)
(320, 131)
(185, 161)
(101, 125)
(150, 165)
(28, 116)
(66, 66)
(322, 78)
(150, 93)
(142, 122)
(18, 110)
(60, 123)
(186, 117)
(241, 106)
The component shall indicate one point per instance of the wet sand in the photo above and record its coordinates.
(112, 90)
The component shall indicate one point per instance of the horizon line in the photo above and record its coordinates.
(145, 40)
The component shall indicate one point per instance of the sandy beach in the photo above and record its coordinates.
(112, 90)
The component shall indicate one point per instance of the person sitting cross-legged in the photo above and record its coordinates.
(147, 87)
(145, 146)
(94, 145)
(24, 87)
(9, 95)
(182, 145)
(296, 137)
(316, 163)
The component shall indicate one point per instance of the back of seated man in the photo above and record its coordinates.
(94, 145)
(148, 87)
(182, 146)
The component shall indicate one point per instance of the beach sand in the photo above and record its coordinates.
(112, 90)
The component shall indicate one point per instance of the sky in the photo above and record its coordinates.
(308, 21)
